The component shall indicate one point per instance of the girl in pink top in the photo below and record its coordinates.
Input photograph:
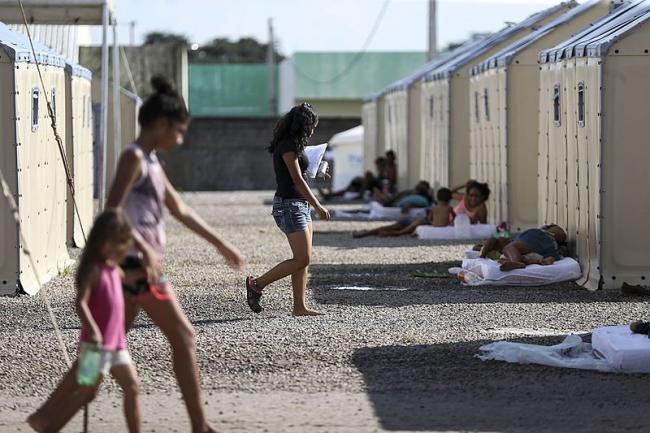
(100, 306)
(472, 202)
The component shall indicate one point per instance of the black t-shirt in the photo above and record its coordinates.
(286, 188)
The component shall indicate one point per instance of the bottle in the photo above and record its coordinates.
(462, 226)
(89, 364)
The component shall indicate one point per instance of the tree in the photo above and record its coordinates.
(223, 50)
(165, 38)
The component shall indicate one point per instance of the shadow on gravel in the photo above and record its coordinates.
(344, 240)
(443, 387)
(329, 283)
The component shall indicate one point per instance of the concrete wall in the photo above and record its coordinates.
(229, 154)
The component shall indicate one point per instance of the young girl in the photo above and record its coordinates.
(472, 203)
(291, 207)
(142, 189)
(100, 306)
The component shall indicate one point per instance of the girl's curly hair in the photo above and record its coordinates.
(297, 125)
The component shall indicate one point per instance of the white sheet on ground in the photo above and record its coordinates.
(315, 156)
(479, 272)
(377, 211)
(477, 231)
(571, 353)
(623, 350)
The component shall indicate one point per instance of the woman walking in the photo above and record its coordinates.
(141, 187)
(291, 207)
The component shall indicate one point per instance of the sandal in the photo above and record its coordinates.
(253, 296)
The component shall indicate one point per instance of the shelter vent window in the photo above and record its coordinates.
(486, 101)
(53, 102)
(581, 104)
(442, 108)
(35, 96)
(477, 114)
(390, 114)
(431, 107)
(556, 105)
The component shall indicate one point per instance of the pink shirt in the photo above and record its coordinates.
(462, 208)
(106, 305)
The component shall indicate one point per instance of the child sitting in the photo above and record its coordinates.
(442, 214)
(532, 246)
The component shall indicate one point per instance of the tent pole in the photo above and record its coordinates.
(117, 117)
(103, 120)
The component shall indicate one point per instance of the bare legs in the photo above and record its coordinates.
(391, 230)
(69, 397)
(297, 267)
(172, 321)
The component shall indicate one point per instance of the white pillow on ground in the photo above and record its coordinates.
(477, 231)
(487, 272)
(622, 349)
(377, 211)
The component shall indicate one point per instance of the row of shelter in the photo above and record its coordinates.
(31, 160)
(550, 113)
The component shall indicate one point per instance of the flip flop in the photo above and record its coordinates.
(253, 296)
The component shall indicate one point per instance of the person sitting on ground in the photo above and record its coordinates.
(530, 247)
(472, 202)
(419, 196)
(441, 215)
(391, 170)
(360, 184)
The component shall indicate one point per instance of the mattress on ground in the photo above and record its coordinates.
(622, 349)
(487, 272)
(377, 211)
(477, 231)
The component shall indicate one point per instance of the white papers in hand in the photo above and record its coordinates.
(315, 156)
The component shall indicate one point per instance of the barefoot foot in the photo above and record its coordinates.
(305, 312)
(510, 266)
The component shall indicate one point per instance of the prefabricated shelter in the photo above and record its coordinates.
(504, 104)
(31, 163)
(447, 87)
(370, 133)
(402, 121)
(593, 146)
(347, 147)
(79, 150)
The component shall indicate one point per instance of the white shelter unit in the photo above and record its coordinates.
(447, 88)
(347, 147)
(593, 146)
(79, 150)
(31, 162)
(370, 133)
(504, 104)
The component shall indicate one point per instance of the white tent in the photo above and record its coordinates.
(79, 12)
(347, 147)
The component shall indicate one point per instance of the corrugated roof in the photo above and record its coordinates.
(16, 46)
(613, 20)
(453, 65)
(372, 72)
(406, 82)
(504, 57)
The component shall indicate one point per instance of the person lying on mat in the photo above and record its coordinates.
(418, 197)
(530, 247)
(441, 215)
(361, 184)
(472, 201)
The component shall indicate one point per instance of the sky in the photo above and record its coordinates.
(320, 25)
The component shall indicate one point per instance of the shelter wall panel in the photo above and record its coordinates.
(547, 76)
(625, 211)
(414, 135)
(458, 142)
(520, 162)
(42, 183)
(569, 194)
(426, 154)
(369, 121)
(8, 234)
(439, 108)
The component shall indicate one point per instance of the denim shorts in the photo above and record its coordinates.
(291, 214)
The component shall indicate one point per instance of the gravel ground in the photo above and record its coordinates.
(397, 358)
